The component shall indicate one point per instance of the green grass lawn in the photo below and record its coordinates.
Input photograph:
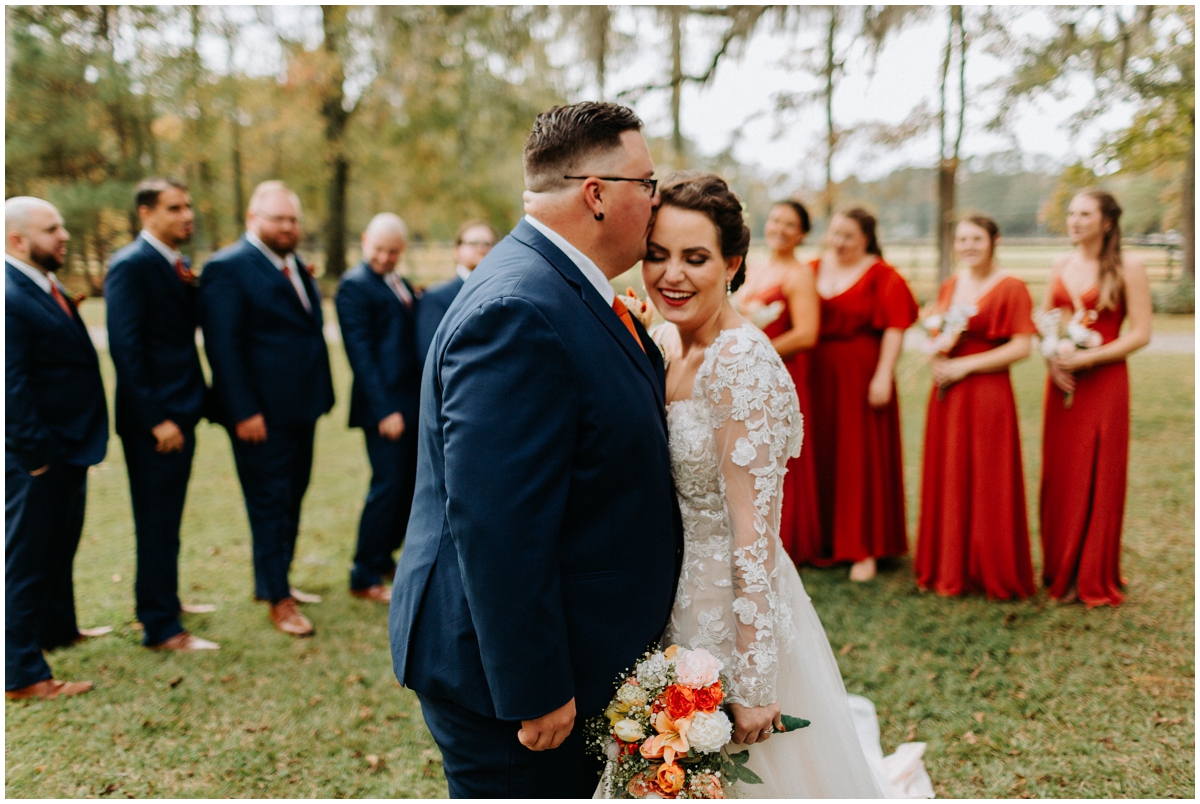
(1014, 699)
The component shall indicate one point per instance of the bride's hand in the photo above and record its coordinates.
(750, 723)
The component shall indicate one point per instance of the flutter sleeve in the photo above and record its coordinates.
(757, 427)
(1012, 311)
(893, 305)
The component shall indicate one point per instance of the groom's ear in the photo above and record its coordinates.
(592, 199)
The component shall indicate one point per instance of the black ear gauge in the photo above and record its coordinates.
(599, 216)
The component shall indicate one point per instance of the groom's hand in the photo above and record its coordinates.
(548, 731)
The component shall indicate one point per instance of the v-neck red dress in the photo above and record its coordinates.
(860, 475)
(1085, 458)
(799, 521)
(974, 529)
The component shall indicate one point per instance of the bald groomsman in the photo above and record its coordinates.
(376, 311)
(263, 333)
(55, 427)
(151, 297)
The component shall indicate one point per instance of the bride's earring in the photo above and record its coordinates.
(728, 287)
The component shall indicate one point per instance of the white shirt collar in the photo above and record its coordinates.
(40, 279)
(269, 253)
(169, 254)
(589, 269)
(462, 271)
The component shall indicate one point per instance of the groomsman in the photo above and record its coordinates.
(151, 297)
(376, 311)
(262, 322)
(55, 427)
(472, 243)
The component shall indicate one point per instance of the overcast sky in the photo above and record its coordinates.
(906, 73)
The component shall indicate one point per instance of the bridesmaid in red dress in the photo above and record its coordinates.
(865, 308)
(974, 531)
(780, 296)
(1085, 445)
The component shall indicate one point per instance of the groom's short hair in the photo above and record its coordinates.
(564, 136)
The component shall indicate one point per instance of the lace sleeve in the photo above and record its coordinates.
(756, 425)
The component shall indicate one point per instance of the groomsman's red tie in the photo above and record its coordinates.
(58, 297)
(621, 310)
(185, 274)
(287, 274)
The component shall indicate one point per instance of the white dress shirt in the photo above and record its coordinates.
(393, 281)
(591, 272)
(41, 279)
(172, 256)
(463, 271)
(279, 262)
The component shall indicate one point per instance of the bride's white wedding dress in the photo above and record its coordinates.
(739, 593)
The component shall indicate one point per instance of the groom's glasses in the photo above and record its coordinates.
(651, 183)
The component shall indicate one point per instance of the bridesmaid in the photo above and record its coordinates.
(865, 308)
(1085, 445)
(974, 531)
(784, 281)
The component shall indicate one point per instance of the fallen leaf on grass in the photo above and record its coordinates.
(975, 673)
(978, 717)
(969, 738)
(375, 762)
(313, 701)
(931, 677)
(911, 734)
(40, 769)
(214, 551)
(849, 646)
(226, 679)
(365, 713)
(116, 577)
(175, 682)
(354, 678)
(109, 789)
(1107, 742)
(136, 626)
(397, 715)
(1159, 720)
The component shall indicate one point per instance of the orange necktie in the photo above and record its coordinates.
(185, 274)
(58, 297)
(621, 310)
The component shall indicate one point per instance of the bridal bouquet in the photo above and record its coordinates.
(1059, 340)
(945, 328)
(664, 733)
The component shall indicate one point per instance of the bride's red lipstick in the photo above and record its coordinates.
(678, 302)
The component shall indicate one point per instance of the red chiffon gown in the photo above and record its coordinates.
(1085, 457)
(799, 522)
(974, 530)
(860, 476)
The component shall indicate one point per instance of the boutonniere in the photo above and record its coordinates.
(311, 269)
(78, 298)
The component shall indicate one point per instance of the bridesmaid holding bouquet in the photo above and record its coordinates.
(780, 298)
(1085, 446)
(865, 308)
(974, 530)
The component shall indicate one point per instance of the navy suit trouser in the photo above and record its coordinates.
(158, 487)
(482, 757)
(389, 502)
(43, 520)
(274, 477)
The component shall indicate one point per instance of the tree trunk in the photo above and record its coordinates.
(239, 192)
(336, 116)
(948, 160)
(676, 16)
(1188, 202)
(830, 132)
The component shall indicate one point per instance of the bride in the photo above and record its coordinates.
(733, 422)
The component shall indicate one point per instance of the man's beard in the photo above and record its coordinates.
(46, 260)
(278, 246)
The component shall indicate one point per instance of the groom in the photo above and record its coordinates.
(544, 542)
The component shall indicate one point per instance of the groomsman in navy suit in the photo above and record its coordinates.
(55, 427)
(263, 333)
(472, 243)
(376, 310)
(151, 297)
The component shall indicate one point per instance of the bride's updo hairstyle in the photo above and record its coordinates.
(710, 195)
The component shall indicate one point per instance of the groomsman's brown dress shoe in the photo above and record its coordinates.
(48, 689)
(289, 620)
(184, 642)
(379, 593)
(300, 596)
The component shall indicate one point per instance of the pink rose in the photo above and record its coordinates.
(697, 668)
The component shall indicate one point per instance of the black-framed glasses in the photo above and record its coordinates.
(651, 183)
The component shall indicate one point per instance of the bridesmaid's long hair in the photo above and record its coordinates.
(708, 193)
(867, 223)
(1111, 282)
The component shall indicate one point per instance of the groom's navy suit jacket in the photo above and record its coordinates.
(543, 547)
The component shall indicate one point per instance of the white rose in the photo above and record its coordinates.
(710, 731)
(629, 730)
(653, 671)
(697, 668)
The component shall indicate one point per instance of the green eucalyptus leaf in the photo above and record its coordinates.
(793, 723)
(741, 757)
(748, 776)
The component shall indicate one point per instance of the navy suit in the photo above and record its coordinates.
(544, 542)
(431, 309)
(152, 340)
(55, 415)
(268, 356)
(377, 330)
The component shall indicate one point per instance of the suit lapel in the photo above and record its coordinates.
(165, 269)
(275, 275)
(593, 301)
(76, 326)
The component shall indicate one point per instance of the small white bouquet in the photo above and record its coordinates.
(1060, 340)
(944, 329)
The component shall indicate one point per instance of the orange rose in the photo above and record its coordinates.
(680, 701)
(709, 698)
(670, 777)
